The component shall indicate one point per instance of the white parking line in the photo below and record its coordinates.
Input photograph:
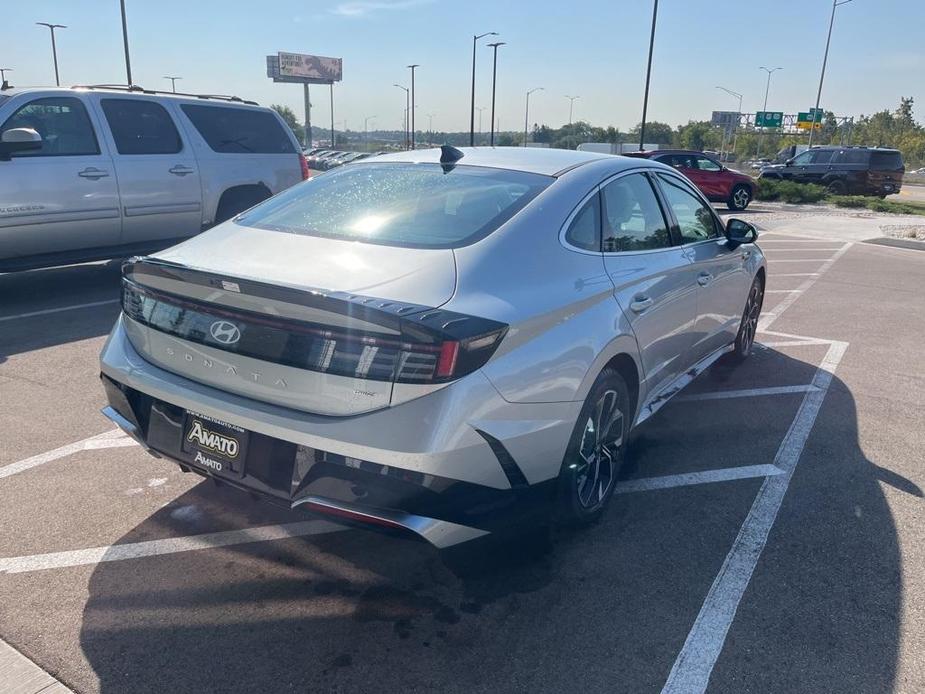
(172, 545)
(801, 250)
(109, 439)
(768, 318)
(795, 274)
(47, 311)
(798, 260)
(690, 478)
(781, 291)
(694, 664)
(745, 393)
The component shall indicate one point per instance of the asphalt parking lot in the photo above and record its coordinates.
(768, 533)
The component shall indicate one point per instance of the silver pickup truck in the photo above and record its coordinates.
(89, 173)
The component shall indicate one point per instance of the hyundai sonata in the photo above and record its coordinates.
(446, 342)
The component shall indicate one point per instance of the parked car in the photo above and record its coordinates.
(317, 161)
(844, 170)
(446, 342)
(91, 173)
(716, 181)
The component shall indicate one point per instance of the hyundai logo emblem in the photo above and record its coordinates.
(225, 332)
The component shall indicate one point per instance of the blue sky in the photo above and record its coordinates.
(592, 48)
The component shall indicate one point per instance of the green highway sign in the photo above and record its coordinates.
(814, 115)
(769, 119)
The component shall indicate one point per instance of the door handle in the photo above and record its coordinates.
(746, 255)
(180, 170)
(641, 303)
(704, 278)
(93, 173)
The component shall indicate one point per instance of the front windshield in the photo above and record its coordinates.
(399, 204)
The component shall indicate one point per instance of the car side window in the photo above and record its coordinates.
(585, 229)
(63, 124)
(705, 164)
(823, 156)
(695, 219)
(633, 219)
(802, 159)
(141, 127)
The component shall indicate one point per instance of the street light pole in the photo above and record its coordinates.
(645, 98)
(430, 124)
(527, 111)
(54, 49)
(407, 109)
(128, 63)
(494, 80)
(475, 38)
(173, 82)
(735, 128)
(412, 106)
(480, 109)
(570, 104)
(767, 89)
(825, 58)
(366, 132)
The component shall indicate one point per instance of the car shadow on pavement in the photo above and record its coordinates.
(43, 292)
(608, 609)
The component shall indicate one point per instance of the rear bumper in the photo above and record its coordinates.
(423, 467)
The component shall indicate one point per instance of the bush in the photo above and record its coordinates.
(788, 191)
(875, 204)
(848, 200)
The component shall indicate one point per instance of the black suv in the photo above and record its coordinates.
(844, 170)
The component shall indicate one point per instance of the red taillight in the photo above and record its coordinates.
(303, 162)
(446, 363)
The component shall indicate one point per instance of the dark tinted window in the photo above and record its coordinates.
(851, 156)
(633, 220)
(63, 124)
(886, 161)
(695, 219)
(239, 130)
(678, 161)
(585, 229)
(823, 156)
(141, 127)
(411, 205)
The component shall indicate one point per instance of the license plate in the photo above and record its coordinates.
(214, 445)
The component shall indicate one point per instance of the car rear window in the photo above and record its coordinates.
(886, 161)
(398, 204)
(231, 130)
(851, 156)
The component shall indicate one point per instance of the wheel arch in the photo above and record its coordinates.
(622, 355)
(248, 194)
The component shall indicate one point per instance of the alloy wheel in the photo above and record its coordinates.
(750, 317)
(741, 197)
(599, 450)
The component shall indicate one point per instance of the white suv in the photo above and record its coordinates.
(100, 172)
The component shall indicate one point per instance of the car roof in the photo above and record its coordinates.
(211, 99)
(548, 162)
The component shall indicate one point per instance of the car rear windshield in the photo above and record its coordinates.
(398, 204)
(886, 161)
(232, 130)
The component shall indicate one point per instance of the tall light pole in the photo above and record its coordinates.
(645, 98)
(54, 48)
(527, 111)
(411, 109)
(128, 63)
(430, 124)
(494, 80)
(173, 82)
(475, 38)
(767, 89)
(366, 120)
(825, 59)
(407, 110)
(571, 102)
(735, 128)
(480, 109)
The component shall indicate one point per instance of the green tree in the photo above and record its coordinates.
(289, 116)
(656, 133)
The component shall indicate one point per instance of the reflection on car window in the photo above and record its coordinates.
(802, 159)
(705, 164)
(141, 127)
(410, 205)
(823, 156)
(633, 220)
(585, 229)
(695, 220)
(63, 124)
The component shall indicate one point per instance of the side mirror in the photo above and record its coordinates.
(739, 232)
(18, 140)
(789, 162)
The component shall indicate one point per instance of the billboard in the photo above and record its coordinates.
(313, 68)
(727, 119)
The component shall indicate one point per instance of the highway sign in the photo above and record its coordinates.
(725, 118)
(769, 119)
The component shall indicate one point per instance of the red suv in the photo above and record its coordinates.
(715, 181)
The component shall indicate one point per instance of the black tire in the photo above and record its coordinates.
(739, 197)
(591, 465)
(836, 188)
(745, 338)
(235, 201)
